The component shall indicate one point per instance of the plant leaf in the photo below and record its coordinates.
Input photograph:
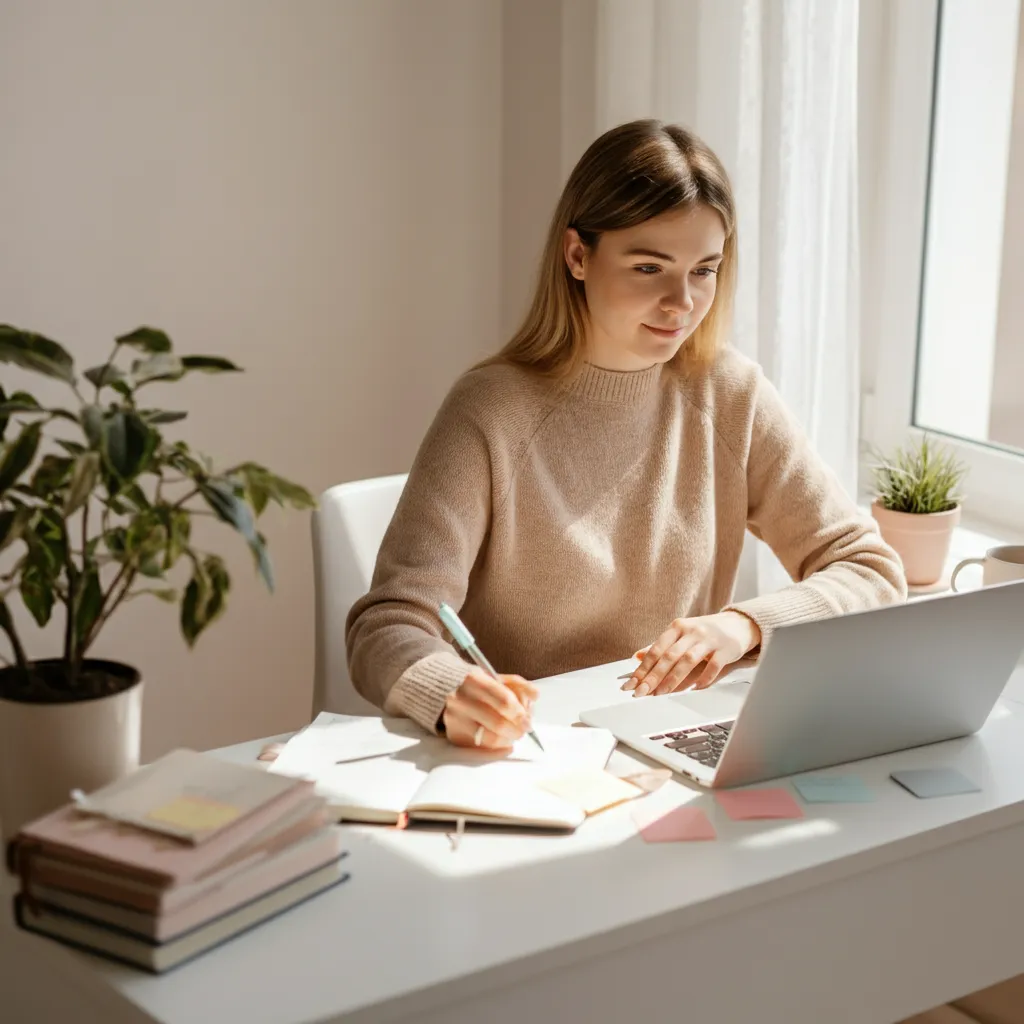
(220, 584)
(103, 375)
(162, 366)
(193, 604)
(18, 455)
(263, 565)
(89, 602)
(225, 503)
(294, 494)
(146, 339)
(179, 457)
(92, 424)
(156, 417)
(168, 594)
(34, 352)
(12, 525)
(919, 478)
(261, 485)
(151, 568)
(13, 405)
(256, 481)
(228, 506)
(37, 593)
(209, 364)
(24, 398)
(179, 530)
(46, 543)
(128, 444)
(137, 496)
(205, 596)
(51, 475)
(116, 542)
(83, 480)
(147, 534)
(115, 443)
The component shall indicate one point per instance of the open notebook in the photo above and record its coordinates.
(429, 779)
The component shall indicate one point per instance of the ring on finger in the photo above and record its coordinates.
(478, 736)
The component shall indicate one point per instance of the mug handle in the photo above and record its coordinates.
(963, 565)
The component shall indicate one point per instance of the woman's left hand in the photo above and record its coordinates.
(693, 653)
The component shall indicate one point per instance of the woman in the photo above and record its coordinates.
(587, 490)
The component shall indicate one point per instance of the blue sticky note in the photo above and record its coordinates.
(929, 782)
(833, 789)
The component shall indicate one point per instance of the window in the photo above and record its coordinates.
(950, 244)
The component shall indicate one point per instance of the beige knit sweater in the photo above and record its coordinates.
(569, 524)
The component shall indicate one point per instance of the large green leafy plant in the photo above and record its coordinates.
(920, 477)
(98, 505)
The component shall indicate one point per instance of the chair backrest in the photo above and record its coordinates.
(348, 528)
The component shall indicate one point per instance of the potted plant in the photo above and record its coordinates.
(96, 508)
(918, 506)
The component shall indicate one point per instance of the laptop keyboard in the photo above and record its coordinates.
(704, 743)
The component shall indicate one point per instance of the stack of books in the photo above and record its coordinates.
(174, 859)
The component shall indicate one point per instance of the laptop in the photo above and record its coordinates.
(840, 689)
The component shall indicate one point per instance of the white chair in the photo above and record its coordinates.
(348, 528)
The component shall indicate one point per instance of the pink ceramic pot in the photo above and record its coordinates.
(922, 541)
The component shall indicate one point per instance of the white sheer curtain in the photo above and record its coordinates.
(771, 86)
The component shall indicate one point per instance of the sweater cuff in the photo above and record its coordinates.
(422, 689)
(783, 608)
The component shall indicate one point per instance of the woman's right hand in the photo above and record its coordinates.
(488, 713)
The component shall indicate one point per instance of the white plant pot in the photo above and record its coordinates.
(47, 750)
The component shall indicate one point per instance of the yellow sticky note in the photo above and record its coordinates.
(591, 791)
(195, 813)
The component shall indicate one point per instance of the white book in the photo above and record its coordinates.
(430, 779)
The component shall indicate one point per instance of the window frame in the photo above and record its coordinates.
(994, 486)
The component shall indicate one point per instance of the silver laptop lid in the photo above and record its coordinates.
(867, 683)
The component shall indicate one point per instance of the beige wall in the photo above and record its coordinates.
(531, 126)
(310, 188)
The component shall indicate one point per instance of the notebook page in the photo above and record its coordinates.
(508, 787)
(378, 789)
(506, 791)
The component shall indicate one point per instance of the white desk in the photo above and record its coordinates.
(860, 913)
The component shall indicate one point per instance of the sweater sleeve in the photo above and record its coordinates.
(797, 505)
(397, 655)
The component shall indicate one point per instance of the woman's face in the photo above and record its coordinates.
(648, 286)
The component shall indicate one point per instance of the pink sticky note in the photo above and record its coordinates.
(680, 825)
(740, 804)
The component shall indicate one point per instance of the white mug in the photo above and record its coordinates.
(1000, 565)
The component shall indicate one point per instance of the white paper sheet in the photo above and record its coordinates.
(333, 739)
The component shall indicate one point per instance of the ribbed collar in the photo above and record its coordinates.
(619, 387)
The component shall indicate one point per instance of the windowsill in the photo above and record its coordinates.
(971, 539)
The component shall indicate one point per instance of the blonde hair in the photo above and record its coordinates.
(628, 175)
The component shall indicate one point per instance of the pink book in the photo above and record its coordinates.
(80, 837)
(310, 854)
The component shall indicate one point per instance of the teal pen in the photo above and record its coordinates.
(462, 636)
